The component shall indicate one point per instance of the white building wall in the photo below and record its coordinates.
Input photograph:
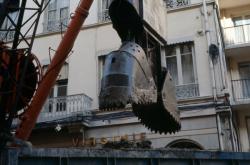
(188, 25)
(202, 130)
(91, 19)
(83, 62)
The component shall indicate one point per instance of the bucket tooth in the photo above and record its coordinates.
(127, 79)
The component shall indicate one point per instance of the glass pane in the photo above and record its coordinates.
(171, 51)
(187, 69)
(238, 21)
(51, 93)
(172, 67)
(51, 20)
(101, 63)
(244, 70)
(52, 15)
(64, 72)
(52, 5)
(105, 4)
(62, 90)
(64, 13)
(186, 48)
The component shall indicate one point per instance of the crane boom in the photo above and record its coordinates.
(29, 118)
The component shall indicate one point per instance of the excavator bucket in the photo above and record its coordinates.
(128, 78)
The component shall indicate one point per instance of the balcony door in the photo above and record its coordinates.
(244, 71)
(57, 100)
(181, 64)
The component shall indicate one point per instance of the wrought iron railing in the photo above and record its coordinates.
(237, 35)
(187, 91)
(103, 16)
(6, 35)
(241, 90)
(63, 107)
(172, 4)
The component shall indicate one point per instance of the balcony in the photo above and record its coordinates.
(173, 4)
(103, 16)
(64, 107)
(6, 36)
(237, 35)
(187, 91)
(241, 91)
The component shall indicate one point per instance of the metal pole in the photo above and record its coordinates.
(32, 113)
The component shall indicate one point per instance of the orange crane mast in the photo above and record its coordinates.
(31, 114)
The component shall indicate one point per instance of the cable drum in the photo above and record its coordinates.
(17, 84)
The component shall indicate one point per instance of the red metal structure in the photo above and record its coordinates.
(32, 113)
(157, 110)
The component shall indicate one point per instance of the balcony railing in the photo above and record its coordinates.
(104, 16)
(237, 35)
(6, 36)
(172, 4)
(187, 91)
(241, 90)
(64, 107)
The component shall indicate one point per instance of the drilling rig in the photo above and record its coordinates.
(133, 74)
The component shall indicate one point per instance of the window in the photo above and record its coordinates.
(180, 63)
(101, 63)
(104, 14)
(244, 71)
(57, 15)
(8, 30)
(57, 100)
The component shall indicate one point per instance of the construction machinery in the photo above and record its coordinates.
(133, 74)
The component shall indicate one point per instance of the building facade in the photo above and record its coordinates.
(211, 81)
(235, 20)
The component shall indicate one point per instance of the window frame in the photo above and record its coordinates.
(178, 56)
(58, 24)
(103, 14)
(101, 64)
(8, 25)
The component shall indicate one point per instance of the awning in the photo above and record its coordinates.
(179, 40)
